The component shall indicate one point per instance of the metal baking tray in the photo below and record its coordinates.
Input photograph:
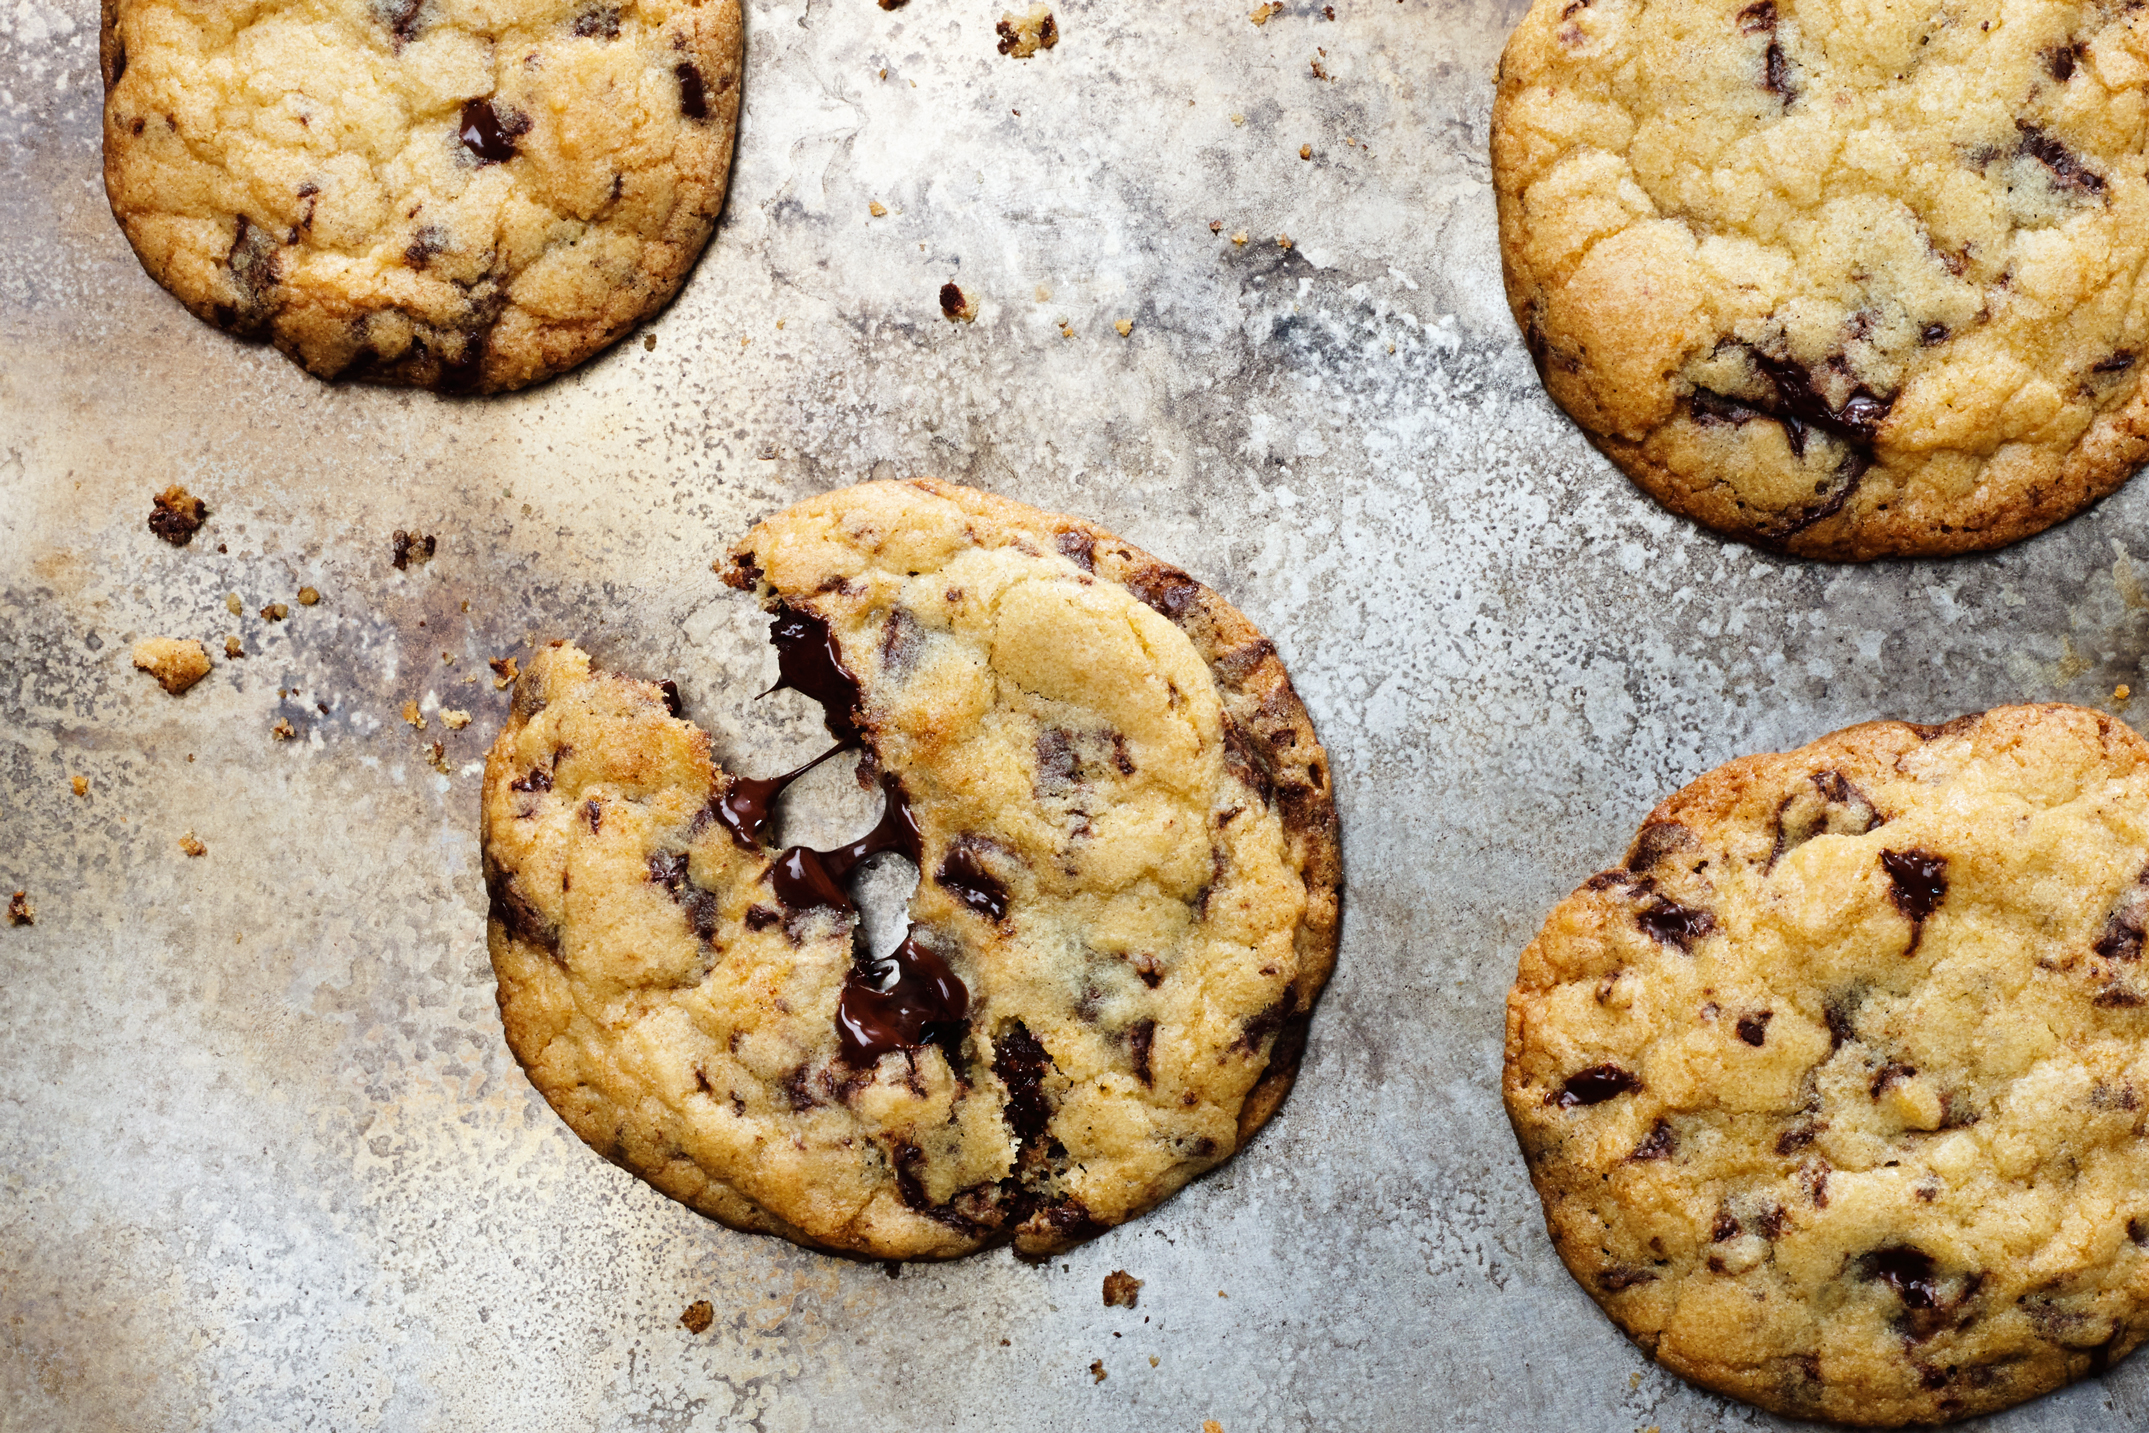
(265, 1161)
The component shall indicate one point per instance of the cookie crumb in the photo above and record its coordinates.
(1044, 295)
(892, 5)
(1238, 119)
(175, 664)
(1283, 241)
(436, 755)
(453, 719)
(410, 714)
(1216, 226)
(1121, 1289)
(1240, 238)
(283, 730)
(2121, 692)
(81, 785)
(233, 647)
(957, 306)
(176, 515)
(1262, 13)
(19, 909)
(408, 547)
(1066, 329)
(192, 845)
(649, 343)
(307, 596)
(503, 673)
(1024, 37)
(232, 604)
(1096, 1370)
(877, 209)
(1305, 151)
(1125, 327)
(1152, 1360)
(1003, 1343)
(700, 1314)
(1210, 1425)
(275, 612)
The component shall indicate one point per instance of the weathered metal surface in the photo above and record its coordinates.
(264, 1159)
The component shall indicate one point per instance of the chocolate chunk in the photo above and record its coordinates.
(1920, 883)
(1620, 1277)
(1757, 19)
(1753, 1029)
(598, 22)
(401, 18)
(693, 98)
(429, 240)
(489, 135)
(952, 302)
(1020, 1061)
(1933, 333)
(761, 917)
(538, 778)
(966, 877)
(176, 515)
(1776, 74)
(904, 1001)
(513, 909)
(1656, 840)
(1594, 1086)
(1078, 547)
(1828, 805)
(1166, 591)
(1669, 923)
(1141, 1037)
(1894, 1072)
(1840, 1009)
(2060, 59)
(2119, 362)
(2067, 169)
(810, 661)
(1659, 1143)
(1725, 1228)
(1906, 1270)
(672, 703)
(668, 869)
(1798, 1137)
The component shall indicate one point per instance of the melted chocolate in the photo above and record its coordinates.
(693, 95)
(908, 999)
(1594, 1086)
(966, 878)
(747, 804)
(1019, 1059)
(1920, 882)
(809, 661)
(1906, 1270)
(484, 135)
(802, 881)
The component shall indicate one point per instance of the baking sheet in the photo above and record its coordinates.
(264, 1158)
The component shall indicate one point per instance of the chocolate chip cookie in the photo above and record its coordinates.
(1845, 283)
(1126, 904)
(1837, 1092)
(407, 191)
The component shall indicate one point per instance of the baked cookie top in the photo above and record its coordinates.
(1127, 898)
(457, 194)
(1837, 1093)
(1850, 282)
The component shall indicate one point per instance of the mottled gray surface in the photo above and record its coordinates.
(264, 1158)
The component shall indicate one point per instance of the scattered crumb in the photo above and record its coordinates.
(447, 659)
(81, 785)
(1066, 329)
(1263, 12)
(1125, 327)
(1044, 295)
(779, 329)
(408, 547)
(1328, 12)
(892, 5)
(1211, 1426)
(1152, 1360)
(176, 515)
(453, 719)
(649, 344)
(1222, 1295)
(1096, 1369)
(410, 714)
(1238, 119)
(1239, 238)
(1121, 1289)
(1318, 72)
(275, 612)
(19, 909)
(191, 845)
(2121, 692)
(283, 730)
(1305, 151)
(1024, 37)
(307, 596)
(233, 647)
(699, 1314)
(503, 669)
(1216, 226)
(1283, 241)
(232, 604)
(1003, 1343)
(175, 664)
(437, 755)
(877, 209)
(957, 306)
(744, 341)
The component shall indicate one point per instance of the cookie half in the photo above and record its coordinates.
(1127, 899)
(1848, 284)
(1837, 1092)
(424, 192)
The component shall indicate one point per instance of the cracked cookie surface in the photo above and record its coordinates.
(464, 195)
(1848, 281)
(1837, 1092)
(1127, 899)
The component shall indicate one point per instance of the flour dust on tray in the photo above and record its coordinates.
(1837, 1091)
(1126, 904)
